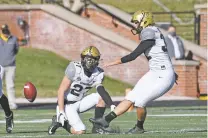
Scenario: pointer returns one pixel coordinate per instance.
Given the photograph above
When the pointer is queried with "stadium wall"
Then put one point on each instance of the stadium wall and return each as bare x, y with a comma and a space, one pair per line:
201, 10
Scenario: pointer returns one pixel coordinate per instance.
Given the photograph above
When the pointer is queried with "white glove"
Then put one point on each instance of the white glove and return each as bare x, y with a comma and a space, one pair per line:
62, 118
112, 107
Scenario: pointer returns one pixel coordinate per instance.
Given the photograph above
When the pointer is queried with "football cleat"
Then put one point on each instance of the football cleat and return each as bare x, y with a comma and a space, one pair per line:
67, 127
95, 129
99, 121
135, 130
54, 126
101, 130
9, 123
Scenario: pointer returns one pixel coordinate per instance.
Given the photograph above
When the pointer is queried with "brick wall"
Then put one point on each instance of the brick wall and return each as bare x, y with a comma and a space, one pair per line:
202, 75
103, 19
203, 26
10, 18
50, 33
187, 81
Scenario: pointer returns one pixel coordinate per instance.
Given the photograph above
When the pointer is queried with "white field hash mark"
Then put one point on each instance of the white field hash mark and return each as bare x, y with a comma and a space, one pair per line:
162, 115
37, 136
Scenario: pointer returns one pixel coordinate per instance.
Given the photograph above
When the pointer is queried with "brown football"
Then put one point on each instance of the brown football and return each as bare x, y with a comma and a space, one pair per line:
30, 91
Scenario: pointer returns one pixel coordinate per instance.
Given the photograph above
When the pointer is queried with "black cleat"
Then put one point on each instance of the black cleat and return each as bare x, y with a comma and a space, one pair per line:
102, 130
67, 126
95, 129
99, 121
135, 130
9, 123
54, 126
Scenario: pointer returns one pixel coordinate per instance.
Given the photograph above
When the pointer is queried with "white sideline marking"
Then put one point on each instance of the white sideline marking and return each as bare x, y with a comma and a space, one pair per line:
178, 115
31, 121
37, 136
162, 115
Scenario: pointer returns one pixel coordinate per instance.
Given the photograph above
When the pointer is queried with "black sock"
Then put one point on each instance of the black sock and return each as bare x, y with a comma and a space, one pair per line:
140, 124
5, 105
67, 127
110, 117
99, 112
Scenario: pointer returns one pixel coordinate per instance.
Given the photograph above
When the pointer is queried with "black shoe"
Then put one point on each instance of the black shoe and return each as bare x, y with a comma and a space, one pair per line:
54, 126
9, 123
101, 130
135, 130
99, 121
96, 129
67, 126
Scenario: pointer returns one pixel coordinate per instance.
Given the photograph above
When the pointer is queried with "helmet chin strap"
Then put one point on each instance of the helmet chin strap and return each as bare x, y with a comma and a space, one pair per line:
87, 73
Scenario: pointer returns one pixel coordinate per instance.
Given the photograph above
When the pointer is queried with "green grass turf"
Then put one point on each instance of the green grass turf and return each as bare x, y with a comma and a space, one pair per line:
46, 70
155, 126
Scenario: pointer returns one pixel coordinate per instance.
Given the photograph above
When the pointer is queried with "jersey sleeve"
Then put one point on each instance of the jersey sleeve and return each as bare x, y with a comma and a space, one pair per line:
99, 78
70, 71
147, 33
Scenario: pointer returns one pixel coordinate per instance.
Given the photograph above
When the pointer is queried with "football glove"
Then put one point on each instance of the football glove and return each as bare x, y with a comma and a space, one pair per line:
112, 107
62, 118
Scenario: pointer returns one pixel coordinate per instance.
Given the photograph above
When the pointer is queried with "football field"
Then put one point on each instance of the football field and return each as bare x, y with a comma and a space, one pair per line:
161, 122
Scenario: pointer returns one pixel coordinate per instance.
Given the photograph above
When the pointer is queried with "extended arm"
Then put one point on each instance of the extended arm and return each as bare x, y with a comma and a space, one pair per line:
147, 41
105, 95
65, 84
144, 45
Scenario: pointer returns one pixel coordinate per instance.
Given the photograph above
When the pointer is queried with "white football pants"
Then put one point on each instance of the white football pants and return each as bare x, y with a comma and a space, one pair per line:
9, 73
73, 110
152, 85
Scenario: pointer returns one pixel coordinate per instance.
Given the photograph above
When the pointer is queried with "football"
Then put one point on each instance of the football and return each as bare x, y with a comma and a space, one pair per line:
30, 91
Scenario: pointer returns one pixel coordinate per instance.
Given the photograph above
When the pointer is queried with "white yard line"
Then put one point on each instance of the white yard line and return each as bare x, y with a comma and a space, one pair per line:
162, 115
37, 136
178, 115
30, 121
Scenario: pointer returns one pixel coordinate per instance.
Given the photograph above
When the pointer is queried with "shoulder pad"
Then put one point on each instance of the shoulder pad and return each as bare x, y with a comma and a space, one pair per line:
147, 33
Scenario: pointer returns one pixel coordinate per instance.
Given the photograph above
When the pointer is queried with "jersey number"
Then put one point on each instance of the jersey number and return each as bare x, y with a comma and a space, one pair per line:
77, 89
164, 48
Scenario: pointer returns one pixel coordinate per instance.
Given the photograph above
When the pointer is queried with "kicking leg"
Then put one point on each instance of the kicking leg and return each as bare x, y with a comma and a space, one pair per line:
119, 110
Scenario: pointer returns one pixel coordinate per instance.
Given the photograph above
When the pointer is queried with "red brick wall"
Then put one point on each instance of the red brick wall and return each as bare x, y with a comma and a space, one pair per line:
203, 27
10, 18
202, 75
105, 20
187, 81
51, 33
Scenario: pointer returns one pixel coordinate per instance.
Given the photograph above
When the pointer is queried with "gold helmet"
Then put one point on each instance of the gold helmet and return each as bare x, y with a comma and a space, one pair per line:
90, 58
142, 19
